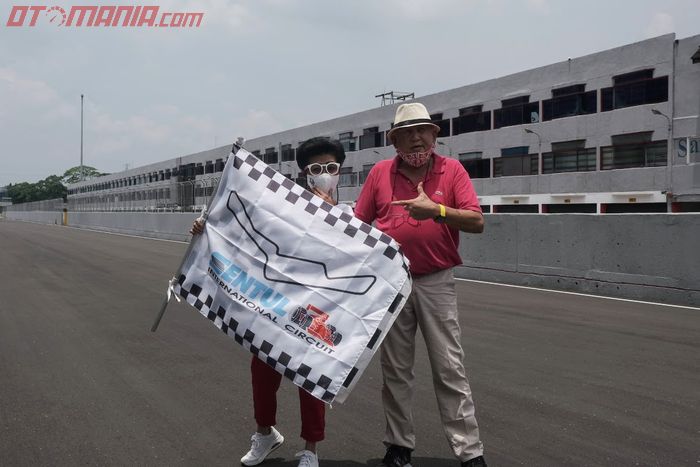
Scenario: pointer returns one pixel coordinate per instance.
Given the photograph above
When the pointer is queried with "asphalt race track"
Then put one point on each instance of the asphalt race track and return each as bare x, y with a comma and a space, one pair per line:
558, 379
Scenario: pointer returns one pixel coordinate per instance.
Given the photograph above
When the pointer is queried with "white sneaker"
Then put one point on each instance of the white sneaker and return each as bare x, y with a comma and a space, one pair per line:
307, 459
261, 446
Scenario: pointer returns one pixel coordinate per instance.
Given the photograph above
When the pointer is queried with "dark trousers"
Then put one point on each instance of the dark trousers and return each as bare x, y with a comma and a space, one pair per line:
266, 382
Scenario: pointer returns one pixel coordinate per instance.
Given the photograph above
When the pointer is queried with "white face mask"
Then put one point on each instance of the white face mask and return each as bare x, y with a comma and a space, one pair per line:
323, 182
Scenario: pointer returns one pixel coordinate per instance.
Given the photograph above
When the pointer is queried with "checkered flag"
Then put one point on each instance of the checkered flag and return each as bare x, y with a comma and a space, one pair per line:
301, 284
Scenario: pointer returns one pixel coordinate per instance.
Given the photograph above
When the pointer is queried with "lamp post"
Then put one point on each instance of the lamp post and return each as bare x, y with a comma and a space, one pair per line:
539, 149
658, 112
669, 157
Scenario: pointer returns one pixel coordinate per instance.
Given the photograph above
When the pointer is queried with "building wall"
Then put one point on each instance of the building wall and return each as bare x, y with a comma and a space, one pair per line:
686, 122
667, 56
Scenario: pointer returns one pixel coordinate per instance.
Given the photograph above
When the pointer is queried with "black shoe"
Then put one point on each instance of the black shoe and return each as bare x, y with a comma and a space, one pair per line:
396, 456
476, 462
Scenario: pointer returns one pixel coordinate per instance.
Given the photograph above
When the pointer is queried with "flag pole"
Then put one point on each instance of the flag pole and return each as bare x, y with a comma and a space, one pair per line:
173, 281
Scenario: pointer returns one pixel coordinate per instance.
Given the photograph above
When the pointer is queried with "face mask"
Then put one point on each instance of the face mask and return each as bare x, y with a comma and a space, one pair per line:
415, 159
323, 182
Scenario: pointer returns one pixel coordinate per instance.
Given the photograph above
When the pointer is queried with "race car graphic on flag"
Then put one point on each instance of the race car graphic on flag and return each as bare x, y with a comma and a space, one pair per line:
301, 284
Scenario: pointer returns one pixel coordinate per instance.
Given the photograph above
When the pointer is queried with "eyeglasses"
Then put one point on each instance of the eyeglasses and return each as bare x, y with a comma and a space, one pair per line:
331, 168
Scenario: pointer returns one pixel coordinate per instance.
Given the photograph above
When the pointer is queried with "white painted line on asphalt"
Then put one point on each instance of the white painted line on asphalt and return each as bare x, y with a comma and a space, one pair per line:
579, 293
125, 235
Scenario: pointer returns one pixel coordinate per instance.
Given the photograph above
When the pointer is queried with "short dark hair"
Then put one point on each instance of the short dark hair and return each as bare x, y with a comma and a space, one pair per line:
317, 146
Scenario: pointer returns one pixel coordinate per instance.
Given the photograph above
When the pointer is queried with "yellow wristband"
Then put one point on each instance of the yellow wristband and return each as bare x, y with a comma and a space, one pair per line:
442, 218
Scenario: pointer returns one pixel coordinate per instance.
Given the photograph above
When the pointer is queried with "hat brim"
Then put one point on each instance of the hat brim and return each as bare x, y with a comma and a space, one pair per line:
411, 123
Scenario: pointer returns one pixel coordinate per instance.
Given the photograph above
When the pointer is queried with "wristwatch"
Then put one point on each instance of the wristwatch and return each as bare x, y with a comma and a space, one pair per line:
442, 217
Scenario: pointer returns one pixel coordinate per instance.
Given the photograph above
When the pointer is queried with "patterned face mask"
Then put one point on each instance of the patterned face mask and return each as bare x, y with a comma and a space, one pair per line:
416, 159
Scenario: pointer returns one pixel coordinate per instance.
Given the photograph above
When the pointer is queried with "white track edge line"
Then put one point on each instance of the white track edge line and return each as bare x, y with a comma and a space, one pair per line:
580, 294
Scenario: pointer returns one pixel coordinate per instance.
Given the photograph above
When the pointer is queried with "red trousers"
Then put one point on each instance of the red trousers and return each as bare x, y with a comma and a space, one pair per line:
266, 382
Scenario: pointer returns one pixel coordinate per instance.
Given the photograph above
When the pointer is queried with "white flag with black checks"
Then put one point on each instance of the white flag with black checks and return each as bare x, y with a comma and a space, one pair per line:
306, 287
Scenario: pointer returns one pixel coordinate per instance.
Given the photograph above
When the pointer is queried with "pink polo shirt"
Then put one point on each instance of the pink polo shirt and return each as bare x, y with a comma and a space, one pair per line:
428, 245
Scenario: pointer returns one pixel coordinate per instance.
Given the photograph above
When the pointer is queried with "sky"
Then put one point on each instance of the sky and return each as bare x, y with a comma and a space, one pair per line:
261, 66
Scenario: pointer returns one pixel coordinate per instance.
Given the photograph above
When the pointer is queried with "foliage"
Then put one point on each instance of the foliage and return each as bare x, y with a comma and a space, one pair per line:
52, 187
72, 175
48, 188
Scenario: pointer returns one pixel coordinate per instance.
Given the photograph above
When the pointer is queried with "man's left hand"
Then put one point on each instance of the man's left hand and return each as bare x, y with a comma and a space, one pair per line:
420, 207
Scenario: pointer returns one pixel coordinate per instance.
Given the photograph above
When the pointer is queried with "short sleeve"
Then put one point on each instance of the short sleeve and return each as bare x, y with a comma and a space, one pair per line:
465, 195
365, 207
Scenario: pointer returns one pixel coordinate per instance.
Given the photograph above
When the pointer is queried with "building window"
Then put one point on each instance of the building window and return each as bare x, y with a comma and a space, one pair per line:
569, 156
633, 150
219, 165
569, 101
365, 172
347, 140
696, 56
287, 153
387, 139
474, 109
371, 138
516, 111
475, 165
443, 124
637, 88
516, 208
621, 208
270, 156
569, 208
471, 119
515, 161
347, 177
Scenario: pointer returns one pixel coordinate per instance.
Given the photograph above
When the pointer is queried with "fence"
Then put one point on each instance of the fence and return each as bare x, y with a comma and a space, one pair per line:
186, 196
47, 205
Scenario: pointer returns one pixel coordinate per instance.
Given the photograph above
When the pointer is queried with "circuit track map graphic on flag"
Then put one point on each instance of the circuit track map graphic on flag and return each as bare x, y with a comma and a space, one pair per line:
304, 286
247, 225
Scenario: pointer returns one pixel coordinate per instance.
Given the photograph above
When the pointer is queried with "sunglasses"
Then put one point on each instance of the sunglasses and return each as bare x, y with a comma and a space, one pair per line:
331, 168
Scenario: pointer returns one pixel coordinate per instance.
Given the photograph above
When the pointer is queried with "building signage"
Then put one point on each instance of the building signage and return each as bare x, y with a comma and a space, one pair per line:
688, 148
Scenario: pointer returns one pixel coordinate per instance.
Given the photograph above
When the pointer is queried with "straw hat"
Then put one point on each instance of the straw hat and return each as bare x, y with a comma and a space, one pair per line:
412, 114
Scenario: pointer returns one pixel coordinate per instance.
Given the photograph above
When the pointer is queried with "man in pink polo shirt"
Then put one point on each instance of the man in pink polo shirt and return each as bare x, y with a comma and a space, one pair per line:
424, 200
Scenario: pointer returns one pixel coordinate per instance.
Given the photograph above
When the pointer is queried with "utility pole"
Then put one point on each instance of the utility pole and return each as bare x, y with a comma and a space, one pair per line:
82, 176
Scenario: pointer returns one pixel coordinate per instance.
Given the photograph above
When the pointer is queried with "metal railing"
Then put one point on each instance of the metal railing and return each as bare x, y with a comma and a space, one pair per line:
46, 205
185, 196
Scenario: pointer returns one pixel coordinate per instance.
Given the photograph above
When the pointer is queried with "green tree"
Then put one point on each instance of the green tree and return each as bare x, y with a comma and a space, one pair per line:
51, 188
48, 188
20, 192
72, 175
